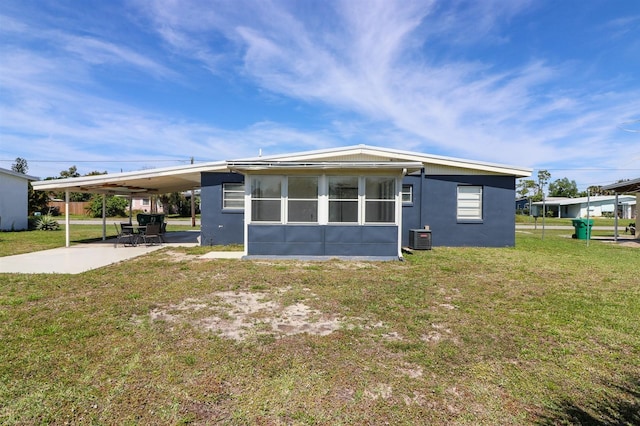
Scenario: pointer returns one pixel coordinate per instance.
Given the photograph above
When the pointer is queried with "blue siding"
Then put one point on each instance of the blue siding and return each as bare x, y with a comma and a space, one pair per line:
325, 240
435, 203
218, 226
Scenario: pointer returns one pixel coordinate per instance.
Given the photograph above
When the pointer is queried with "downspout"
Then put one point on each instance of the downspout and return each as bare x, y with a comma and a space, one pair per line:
66, 218
131, 208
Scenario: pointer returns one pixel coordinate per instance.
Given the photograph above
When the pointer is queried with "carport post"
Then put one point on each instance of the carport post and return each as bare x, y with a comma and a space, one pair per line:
104, 217
66, 218
615, 220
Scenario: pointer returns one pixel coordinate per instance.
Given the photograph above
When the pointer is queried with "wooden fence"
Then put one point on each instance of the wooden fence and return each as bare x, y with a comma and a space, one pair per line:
75, 207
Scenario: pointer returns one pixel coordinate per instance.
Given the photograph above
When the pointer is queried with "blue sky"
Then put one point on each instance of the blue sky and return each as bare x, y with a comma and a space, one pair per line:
130, 85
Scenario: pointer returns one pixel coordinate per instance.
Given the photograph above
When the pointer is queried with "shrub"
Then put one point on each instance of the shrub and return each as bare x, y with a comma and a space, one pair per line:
47, 223
115, 206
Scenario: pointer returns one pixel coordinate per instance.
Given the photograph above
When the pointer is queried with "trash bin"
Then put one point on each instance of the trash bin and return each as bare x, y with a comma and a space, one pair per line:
582, 228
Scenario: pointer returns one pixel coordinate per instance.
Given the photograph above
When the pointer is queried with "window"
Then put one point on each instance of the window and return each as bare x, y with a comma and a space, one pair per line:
469, 202
233, 195
145, 202
265, 198
343, 199
407, 194
302, 199
321, 199
380, 199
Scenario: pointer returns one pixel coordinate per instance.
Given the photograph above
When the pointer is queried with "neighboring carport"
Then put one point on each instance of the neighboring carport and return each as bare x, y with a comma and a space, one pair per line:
140, 183
625, 187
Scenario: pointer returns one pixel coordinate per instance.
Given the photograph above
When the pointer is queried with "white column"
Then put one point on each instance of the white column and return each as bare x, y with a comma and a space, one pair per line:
104, 217
66, 218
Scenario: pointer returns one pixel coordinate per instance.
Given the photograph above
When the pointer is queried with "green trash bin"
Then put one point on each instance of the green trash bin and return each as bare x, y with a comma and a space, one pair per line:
582, 228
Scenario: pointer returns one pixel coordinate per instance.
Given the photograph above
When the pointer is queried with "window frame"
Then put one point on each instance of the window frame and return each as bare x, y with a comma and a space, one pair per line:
469, 199
408, 202
225, 192
324, 199
289, 199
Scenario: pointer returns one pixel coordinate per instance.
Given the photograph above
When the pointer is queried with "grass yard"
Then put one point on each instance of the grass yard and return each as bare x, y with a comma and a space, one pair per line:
544, 333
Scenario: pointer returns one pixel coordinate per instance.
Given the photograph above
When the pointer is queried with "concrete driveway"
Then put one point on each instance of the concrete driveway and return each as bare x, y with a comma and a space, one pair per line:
83, 257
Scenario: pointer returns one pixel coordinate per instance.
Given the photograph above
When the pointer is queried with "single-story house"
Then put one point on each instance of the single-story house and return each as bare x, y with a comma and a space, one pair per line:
357, 201
14, 200
597, 206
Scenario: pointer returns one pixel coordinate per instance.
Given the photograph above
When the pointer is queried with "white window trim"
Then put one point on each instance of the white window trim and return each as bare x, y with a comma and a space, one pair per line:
323, 202
478, 217
224, 192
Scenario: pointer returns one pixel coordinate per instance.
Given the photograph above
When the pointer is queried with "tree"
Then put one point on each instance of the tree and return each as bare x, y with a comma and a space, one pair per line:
543, 178
20, 166
526, 188
597, 190
37, 200
115, 206
563, 188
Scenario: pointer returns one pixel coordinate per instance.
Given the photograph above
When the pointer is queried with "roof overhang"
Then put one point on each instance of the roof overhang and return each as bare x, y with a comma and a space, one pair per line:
280, 166
144, 182
626, 186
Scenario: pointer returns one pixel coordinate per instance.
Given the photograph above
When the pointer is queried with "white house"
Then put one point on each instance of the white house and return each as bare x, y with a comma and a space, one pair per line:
14, 200
597, 206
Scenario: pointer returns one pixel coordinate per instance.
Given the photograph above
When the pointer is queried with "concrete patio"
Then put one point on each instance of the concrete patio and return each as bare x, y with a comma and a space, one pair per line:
80, 258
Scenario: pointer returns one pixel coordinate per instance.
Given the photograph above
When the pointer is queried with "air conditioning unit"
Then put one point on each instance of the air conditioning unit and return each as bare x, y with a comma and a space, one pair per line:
420, 239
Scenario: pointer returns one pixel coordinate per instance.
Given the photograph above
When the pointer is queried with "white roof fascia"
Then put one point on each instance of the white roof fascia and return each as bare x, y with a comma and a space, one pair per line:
18, 175
396, 155
53, 184
323, 165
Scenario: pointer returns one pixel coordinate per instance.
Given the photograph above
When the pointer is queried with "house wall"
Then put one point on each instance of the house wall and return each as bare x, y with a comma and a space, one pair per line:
323, 240
435, 205
218, 226
14, 200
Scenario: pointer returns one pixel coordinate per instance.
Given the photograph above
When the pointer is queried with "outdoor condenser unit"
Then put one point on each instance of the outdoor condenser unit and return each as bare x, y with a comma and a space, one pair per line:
420, 239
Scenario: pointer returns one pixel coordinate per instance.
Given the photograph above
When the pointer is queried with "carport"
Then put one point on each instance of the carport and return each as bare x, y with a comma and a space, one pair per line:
625, 187
140, 183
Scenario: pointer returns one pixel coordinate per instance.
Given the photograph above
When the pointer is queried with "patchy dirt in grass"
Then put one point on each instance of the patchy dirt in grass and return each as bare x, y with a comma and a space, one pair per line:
238, 315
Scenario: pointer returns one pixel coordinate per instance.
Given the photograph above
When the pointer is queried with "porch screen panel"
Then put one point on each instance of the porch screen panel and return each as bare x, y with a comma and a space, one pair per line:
343, 199
266, 194
303, 199
380, 196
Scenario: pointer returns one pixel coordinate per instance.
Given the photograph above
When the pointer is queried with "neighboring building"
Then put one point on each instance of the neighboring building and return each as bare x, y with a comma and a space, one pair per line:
522, 204
147, 204
597, 206
14, 200
357, 201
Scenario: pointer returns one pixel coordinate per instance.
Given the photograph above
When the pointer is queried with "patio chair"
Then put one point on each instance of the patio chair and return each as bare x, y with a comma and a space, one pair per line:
151, 233
124, 235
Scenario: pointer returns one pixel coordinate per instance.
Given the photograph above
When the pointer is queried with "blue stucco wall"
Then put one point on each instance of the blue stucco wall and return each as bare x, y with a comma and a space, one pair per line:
325, 240
435, 205
218, 226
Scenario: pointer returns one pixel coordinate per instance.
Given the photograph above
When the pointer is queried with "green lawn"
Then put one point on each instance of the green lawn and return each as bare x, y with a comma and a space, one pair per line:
547, 332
